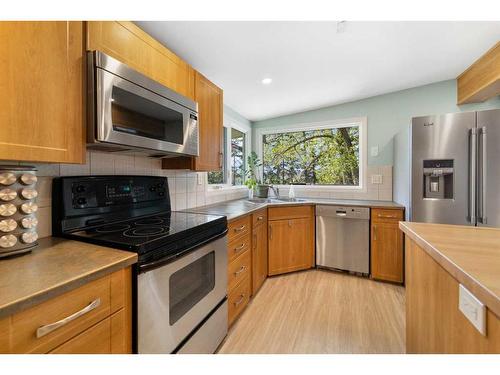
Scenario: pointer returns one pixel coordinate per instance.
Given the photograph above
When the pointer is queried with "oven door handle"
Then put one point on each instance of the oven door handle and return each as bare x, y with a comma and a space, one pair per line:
163, 261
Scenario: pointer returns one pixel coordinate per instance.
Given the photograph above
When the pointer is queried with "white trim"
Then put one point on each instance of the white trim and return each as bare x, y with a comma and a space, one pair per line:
232, 123
361, 122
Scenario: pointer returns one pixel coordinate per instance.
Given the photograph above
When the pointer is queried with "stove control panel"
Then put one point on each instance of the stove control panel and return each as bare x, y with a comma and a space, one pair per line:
95, 193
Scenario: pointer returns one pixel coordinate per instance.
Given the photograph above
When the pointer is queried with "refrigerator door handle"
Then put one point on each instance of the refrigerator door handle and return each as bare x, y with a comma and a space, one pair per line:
484, 170
473, 175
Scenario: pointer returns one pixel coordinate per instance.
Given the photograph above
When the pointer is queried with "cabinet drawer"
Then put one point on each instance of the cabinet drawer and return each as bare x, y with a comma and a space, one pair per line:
386, 214
290, 212
237, 247
259, 218
95, 340
75, 311
238, 299
238, 269
239, 227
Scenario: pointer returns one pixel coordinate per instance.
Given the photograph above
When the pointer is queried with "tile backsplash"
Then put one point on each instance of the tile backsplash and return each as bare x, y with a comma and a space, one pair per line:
187, 188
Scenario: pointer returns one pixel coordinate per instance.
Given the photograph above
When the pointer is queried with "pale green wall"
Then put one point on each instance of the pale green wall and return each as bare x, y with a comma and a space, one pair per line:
389, 117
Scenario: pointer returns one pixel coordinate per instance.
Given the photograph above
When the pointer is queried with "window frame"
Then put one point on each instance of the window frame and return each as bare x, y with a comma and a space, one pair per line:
361, 122
230, 123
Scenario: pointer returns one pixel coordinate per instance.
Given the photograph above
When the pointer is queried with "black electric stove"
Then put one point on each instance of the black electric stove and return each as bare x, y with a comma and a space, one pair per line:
130, 213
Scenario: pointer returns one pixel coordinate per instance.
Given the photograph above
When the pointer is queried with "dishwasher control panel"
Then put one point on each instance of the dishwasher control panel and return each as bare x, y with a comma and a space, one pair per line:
347, 212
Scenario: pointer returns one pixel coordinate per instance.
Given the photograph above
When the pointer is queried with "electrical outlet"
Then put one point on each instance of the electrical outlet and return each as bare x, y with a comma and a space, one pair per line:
374, 151
376, 179
200, 178
472, 308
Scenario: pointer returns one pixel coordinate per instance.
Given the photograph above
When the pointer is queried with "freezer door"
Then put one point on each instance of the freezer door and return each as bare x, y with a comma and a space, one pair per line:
443, 192
488, 123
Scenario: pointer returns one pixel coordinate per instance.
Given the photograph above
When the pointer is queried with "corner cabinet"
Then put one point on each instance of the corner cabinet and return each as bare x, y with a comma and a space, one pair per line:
42, 91
291, 239
387, 257
210, 117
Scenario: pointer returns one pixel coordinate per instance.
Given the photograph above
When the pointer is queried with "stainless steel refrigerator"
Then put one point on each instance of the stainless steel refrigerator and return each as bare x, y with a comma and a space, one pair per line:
455, 168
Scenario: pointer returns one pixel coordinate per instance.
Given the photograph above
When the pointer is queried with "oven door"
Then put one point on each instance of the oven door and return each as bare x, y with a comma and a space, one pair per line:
130, 115
173, 299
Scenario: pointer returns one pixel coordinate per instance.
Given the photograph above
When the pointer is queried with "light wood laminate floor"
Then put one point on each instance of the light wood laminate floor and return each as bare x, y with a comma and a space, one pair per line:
320, 311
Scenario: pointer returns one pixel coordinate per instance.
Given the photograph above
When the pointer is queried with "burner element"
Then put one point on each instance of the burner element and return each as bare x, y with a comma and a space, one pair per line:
150, 221
145, 231
112, 228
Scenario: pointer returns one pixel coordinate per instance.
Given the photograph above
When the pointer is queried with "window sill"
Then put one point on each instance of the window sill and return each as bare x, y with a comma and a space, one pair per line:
220, 189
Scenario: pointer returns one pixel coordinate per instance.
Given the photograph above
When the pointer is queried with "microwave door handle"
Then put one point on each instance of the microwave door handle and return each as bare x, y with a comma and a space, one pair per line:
473, 175
484, 175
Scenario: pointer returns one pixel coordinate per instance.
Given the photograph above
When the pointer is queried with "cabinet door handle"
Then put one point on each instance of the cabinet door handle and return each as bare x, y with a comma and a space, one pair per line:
374, 233
254, 241
242, 298
270, 232
237, 230
43, 330
242, 268
221, 160
387, 216
239, 248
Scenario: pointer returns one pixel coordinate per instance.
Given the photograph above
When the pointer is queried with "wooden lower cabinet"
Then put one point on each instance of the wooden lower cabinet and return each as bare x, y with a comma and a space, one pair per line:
247, 260
434, 323
259, 251
42, 91
290, 239
238, 299
104, 325
387, 254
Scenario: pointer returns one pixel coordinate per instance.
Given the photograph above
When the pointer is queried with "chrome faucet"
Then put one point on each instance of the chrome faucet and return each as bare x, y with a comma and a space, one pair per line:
275, 190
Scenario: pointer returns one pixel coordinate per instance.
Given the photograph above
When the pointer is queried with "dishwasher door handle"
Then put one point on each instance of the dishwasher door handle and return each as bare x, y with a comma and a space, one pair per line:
341, 213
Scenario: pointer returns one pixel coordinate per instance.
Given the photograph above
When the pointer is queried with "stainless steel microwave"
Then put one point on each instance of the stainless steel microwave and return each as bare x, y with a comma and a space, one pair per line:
128, 111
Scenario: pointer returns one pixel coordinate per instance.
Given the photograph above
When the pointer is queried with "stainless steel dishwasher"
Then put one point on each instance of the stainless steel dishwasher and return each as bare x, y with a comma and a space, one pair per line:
343, 238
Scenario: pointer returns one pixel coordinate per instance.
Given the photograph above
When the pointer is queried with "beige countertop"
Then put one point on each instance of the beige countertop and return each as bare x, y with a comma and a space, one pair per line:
55, 267
236, 208
470, 254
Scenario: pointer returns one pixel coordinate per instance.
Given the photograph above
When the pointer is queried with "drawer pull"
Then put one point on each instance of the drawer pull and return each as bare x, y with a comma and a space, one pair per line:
239, 248
260, 218
43, 330
237, 230
242, 298
387, 216
242, 268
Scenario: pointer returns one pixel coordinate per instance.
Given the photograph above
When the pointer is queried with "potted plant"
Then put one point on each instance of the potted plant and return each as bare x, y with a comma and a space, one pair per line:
253, 182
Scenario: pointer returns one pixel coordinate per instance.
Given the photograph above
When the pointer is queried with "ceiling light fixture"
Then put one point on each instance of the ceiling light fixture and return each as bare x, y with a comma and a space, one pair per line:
267, 81
340, 27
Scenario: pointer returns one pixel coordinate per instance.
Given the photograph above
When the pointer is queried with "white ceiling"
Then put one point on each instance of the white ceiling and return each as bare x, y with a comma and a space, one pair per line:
313, 66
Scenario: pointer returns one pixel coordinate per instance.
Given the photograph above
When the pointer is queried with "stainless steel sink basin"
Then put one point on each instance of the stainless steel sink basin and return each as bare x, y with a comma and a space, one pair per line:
274, 200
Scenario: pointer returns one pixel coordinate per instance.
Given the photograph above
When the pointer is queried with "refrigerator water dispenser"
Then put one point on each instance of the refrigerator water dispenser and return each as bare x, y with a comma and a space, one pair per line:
438, 179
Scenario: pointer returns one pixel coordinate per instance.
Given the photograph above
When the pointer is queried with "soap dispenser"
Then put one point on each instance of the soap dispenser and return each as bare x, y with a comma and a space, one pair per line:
291, 192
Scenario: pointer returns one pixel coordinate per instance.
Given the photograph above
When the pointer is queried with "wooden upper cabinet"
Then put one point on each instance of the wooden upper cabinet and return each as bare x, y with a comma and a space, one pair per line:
387, 258
210, 117
41, 91
210, 113
481, 80
129, 44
